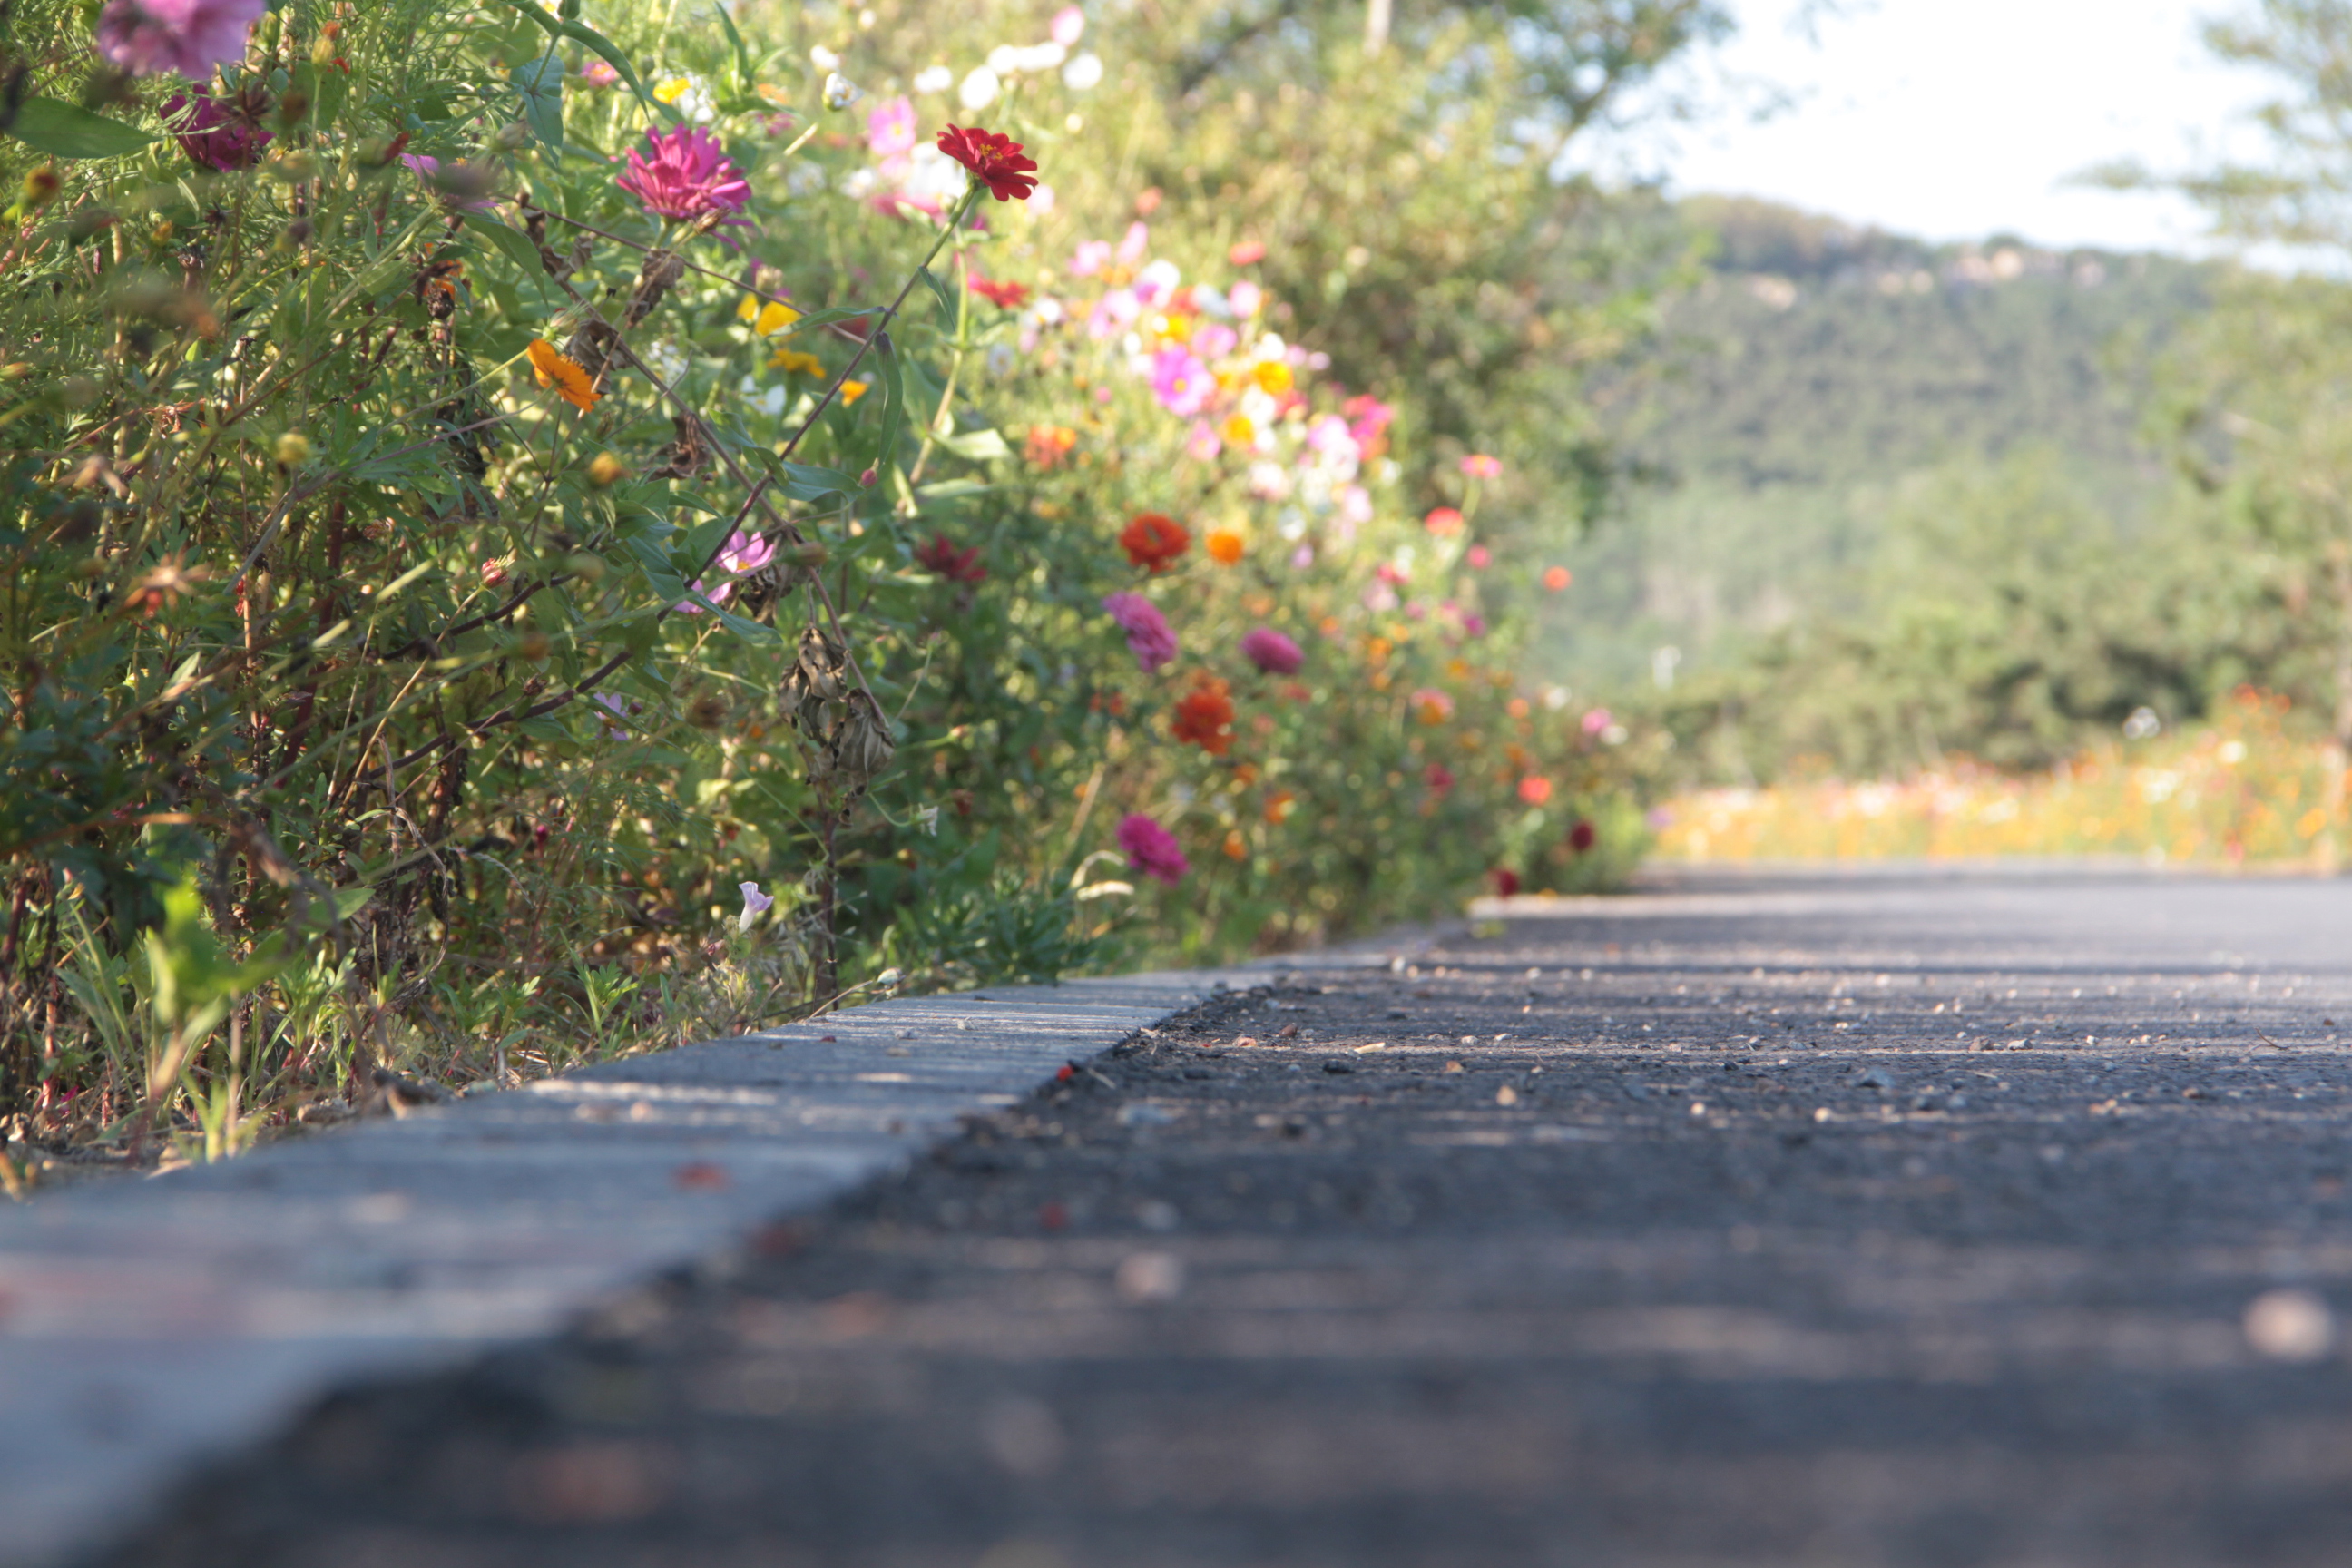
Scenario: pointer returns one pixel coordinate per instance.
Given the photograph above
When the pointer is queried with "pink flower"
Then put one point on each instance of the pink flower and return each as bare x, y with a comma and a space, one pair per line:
1244, 298
1070, 25
1474, 624
1368, 419
1133, 244
149, 38
1597, 720
1203, 443
1113, 314
1393, 575
1181, 383
1147, 634
1479, 557
1092, 258
596, 73
890, 129
212, 135
1330, 436
1215, 341
1303, 557
686, 175
745, 552
1272, 652
1152, 850
1479, 466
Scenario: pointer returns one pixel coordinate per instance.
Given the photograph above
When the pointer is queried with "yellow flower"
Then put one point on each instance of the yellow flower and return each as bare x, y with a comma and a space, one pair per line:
568, 379
767, 319
851, 391
1274, 376
793, 359
673, 90
1238, 431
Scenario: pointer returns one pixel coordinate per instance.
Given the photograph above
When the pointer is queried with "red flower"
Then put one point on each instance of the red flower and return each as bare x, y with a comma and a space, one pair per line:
1439, 777
1204, 716
955, 565
1506, 881
1154, 541
1011, 295
994, 159
1580, 837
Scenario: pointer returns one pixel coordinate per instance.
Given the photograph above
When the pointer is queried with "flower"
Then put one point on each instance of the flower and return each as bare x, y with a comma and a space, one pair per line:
461, 185
149, 38
1442, 522
956, 565
840, 92
1558, 578
1147, 634
1479, 557
997, 292
1273, 376
755, 904
1246, 252
994, 159
1203, 443
794, 359
1224, 547
1049, 444
1506, 881
1239, 430
597, 73
1438, 777
890, 129
211, 134
1091, 256
1534, 789
1597, 720
1154, 542
572, 383
1479, 466
851, 391
1084, 73
1204, 716
1246, 298
1581, 835
1368, 421
745, 552
685, 174
1152, 849
1181, 383
1070, 25
1432, 706
1272, 652
978, 89
766, 318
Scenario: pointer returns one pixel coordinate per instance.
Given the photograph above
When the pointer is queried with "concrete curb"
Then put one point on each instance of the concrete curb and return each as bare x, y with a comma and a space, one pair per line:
146, 1326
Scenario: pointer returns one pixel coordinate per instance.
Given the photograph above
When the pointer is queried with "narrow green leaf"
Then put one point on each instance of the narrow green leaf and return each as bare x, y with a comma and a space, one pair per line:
940, 292
513, 242
735, 42
894, 401
68, 131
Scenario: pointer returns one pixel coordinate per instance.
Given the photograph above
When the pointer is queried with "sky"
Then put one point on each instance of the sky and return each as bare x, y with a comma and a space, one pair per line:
1954, 120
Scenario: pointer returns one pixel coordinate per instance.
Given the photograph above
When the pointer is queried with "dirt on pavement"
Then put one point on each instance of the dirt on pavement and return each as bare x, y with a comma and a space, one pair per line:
1899, 1220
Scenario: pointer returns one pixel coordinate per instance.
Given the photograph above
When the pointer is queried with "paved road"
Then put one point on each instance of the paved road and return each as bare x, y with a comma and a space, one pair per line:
1902, 1219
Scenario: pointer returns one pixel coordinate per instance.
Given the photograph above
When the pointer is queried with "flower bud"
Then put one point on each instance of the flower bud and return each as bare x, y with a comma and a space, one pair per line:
42, 184
323, 48
865, 480
605, 469
293, 449
511, 136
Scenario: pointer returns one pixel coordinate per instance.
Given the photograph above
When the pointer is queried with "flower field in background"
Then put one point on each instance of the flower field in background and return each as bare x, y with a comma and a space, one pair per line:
2254, 788
543, 533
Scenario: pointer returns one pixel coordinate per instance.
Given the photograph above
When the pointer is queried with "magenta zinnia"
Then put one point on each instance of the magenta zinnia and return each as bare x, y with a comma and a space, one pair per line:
1147, 634
212, 135
149, 38
1272, 652
1152, 850
686, 175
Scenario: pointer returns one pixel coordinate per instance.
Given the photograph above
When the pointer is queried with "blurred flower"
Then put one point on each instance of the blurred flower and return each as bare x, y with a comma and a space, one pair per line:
998, 293
1147, 634
1214, 341
1154, 542
1272, 376
212, 135
1224, 547
686, 175
1580, 837
1432, 706
851, 391
1181, 383
1134, 244
149, 38
1238, 430
1203, 444
1558, 578
1479, 466
1245, 298
1442, 522
597, 73
1303, 557
767, 318
1272, 652
1070, 25
994, 159
1534, 789
934, 79
1474, 624
1049, 444
955, 565
1438, 776
1246, 252
1092, 256
1598, 720
1204, 716
891, 129
571, 382
462, 185
840, 92
1368, 419
795, 359
1084, 73
1152, 849
1479, 557
1277, 807
755, 904
1507, 882
1236, 848
979, 88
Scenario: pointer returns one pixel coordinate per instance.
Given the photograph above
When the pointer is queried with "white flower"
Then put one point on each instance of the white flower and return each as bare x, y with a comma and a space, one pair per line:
1040, 201
840, 92
770, 401
1000, 359
1039, 58
1083, 74
978, 90
928, 819
1004, 60
934, 79
825, 60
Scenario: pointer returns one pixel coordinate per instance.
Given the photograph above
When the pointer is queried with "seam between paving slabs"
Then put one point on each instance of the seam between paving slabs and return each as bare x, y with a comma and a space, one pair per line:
147, 1326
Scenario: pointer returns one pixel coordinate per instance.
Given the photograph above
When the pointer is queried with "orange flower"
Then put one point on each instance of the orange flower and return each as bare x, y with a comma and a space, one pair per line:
1225, 547
1236, 848
1246, 774
851, 391
1558, 578
1154, 541
1535, 790
1432, 706
1277, 807
572, 383
1049, 444
1204, 716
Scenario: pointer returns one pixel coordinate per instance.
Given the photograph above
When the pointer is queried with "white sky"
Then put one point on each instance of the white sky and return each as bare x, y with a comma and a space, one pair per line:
1957, 119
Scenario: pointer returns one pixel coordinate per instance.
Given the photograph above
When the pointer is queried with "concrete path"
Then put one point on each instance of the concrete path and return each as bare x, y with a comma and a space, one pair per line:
1899, 1218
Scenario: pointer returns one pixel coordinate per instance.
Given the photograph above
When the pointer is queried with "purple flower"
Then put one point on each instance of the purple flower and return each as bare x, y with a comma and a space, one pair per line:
1272, 652
745, 552
1147, 634
1152, 850
684, 174
891, 129
597, 73
149, 38
210, 134
1181, 383
755, 904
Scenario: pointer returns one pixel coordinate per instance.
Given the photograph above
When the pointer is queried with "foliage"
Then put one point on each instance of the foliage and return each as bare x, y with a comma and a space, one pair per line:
469, 611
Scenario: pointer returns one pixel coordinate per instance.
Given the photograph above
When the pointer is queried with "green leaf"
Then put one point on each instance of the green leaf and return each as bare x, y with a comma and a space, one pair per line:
940, 292
735, 42
516, 244
894, 401
805, 482
541, 82
68, 131
979, 446
825, 317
